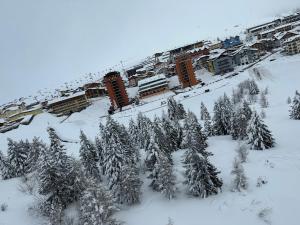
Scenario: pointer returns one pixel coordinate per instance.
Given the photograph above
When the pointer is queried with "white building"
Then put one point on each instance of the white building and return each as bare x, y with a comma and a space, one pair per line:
153, 85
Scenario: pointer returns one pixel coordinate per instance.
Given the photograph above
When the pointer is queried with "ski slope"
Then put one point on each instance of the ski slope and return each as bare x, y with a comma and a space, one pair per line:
280, 166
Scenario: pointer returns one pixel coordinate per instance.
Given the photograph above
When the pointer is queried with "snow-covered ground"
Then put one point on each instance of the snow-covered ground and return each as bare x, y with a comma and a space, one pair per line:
280, 166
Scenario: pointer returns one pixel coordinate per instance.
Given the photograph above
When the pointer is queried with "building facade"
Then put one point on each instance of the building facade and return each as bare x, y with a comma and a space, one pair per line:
244, 56
185, 71
116, 89
292, 45
68, 105
222, 64
153, 85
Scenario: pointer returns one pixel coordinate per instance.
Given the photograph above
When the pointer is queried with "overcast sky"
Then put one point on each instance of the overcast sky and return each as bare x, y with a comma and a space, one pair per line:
44, 43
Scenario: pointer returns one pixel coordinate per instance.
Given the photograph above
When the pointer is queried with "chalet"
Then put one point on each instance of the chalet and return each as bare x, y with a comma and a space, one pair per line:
292, 45
219, 62
94, 90
153, 85
68, 105
265, 45
244, 55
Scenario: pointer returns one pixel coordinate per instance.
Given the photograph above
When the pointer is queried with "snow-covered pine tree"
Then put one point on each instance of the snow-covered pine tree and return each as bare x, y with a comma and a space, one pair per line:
35, 149
235, 129
175, 110
172, 108
194, 137
208, 129
78, 180
266, 91
259, 136
130, 191
253, 88
134, 133
53, 174
295, 108
5, 170
242, 151
239, 122
143, 124
289, 100
201, 175
97, 206
171, 132
89, 157
152, 153
263, 100
118, 154
222, 116
239, 182
17, 158
204, 114
263, 114
160, 138
246, 110
181, 113
166, 179
100, 153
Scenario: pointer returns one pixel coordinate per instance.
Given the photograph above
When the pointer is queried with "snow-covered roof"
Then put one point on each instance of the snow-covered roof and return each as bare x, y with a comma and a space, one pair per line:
216, 53
66, 98
291, 39
151, 79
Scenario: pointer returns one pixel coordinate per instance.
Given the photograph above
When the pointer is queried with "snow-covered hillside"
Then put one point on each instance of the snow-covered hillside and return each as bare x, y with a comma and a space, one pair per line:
280, 166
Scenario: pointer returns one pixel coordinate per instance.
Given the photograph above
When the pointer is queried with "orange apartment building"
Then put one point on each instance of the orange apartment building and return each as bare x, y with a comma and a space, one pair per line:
185, 71
116, 89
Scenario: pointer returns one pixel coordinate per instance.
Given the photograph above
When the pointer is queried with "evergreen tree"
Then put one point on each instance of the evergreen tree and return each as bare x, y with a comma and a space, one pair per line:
5, 170
96, 206
201, 175
259, 136
295, 108
53, 173
240, 180
193, 136
208, 129
77, 180
34, 153
143, 124
100, 153
17, 155
253, 88
204, 114
165, 179
175, 110
222, 116
89, 157
130, 192
289, 100
171, 130
242, 152
239, 122
263, 100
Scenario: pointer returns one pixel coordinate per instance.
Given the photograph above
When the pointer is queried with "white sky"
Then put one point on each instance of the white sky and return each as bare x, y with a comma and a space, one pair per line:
44, 43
